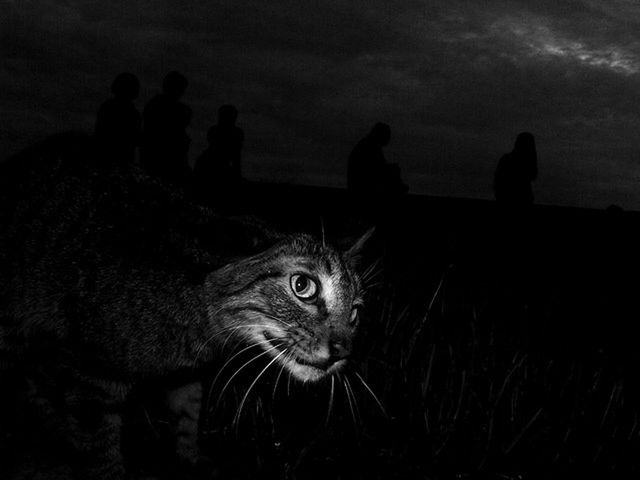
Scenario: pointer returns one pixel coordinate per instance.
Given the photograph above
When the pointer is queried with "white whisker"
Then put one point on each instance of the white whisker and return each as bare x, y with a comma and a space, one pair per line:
240, 369
346, 391
288, 383
215, 379
284, 365
355, 400
237, 327
279, 320
375, 397
236, 419
330, 407
371, 271
217, 333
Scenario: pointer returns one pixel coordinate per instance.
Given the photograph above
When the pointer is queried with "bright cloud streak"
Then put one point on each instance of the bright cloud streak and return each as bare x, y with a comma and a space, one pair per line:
614, 58
541, 39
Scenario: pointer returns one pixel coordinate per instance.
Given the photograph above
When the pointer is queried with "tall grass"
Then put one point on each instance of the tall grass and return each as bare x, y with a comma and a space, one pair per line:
463, 396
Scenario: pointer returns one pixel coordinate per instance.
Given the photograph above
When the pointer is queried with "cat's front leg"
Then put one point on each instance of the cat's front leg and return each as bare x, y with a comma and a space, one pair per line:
185, 403
96, 432
103, 457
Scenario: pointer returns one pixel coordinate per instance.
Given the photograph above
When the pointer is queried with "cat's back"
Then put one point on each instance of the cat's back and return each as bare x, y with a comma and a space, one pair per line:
78, 237
57, 196
49, 209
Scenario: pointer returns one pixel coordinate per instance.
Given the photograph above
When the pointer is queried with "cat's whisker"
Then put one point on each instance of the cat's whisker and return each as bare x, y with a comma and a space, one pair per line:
150, 423
289, 383
375, 397
330, 407
236, 419
371, 267
373, 285
372, 270
202, 347
215, 379
372, 280
217, 334
264, 315
247, 363
222, 347
282, 368
230, 359
348, 395
237, 327
355, 400
229, 337
371, 275
245, 326
276, 319
259, 314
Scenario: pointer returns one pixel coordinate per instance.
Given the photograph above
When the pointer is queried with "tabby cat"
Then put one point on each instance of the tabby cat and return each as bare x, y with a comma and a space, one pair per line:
108, 279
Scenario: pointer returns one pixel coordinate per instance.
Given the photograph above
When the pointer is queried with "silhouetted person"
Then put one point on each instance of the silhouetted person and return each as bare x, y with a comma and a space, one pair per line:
118, 123
375, 185
516, 252
218, 169
368, 172
515, 172
165, 143
365, 173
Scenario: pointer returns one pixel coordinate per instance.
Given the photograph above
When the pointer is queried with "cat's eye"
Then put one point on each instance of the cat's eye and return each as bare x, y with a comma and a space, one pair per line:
354, 316
303, 286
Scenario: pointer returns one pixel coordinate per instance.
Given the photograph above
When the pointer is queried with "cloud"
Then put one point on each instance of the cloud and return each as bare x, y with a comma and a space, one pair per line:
457, 80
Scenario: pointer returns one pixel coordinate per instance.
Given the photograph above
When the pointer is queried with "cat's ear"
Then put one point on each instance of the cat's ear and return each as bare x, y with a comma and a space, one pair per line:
354, 253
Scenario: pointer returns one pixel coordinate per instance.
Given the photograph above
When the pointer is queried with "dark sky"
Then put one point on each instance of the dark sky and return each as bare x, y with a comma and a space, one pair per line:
456, 80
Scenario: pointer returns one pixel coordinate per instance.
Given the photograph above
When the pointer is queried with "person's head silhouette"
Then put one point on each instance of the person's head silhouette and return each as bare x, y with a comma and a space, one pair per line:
126, 86
525, 145
227, 115
381, 134
174, 85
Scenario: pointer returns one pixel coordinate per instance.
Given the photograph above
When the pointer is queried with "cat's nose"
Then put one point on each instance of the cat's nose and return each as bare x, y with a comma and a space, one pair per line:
321, 357
330, 353
339, 350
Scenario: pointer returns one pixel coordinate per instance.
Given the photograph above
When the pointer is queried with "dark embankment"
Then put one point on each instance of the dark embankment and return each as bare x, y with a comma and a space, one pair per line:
500, 344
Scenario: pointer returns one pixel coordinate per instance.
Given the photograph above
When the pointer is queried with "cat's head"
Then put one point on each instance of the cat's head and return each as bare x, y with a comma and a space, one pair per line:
300, 301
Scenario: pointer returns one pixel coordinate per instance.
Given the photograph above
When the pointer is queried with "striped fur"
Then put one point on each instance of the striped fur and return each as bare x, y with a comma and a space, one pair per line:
108, 280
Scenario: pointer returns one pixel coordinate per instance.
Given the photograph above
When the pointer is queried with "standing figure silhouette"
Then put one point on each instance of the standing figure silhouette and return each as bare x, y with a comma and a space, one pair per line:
118, 122
368, 172
367, 165
218, 170
375, 184
515, 172
165, 144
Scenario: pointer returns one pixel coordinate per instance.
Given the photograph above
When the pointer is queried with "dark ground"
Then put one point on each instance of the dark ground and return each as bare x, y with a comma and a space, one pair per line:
499, 345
